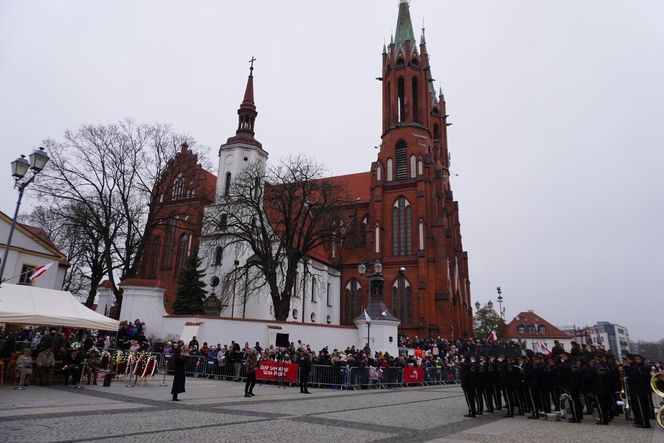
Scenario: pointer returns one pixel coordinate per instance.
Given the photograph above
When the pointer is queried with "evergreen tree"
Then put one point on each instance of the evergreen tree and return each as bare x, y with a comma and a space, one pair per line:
190, 295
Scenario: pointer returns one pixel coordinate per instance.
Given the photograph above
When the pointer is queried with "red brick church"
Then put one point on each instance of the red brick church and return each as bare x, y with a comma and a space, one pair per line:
402, 207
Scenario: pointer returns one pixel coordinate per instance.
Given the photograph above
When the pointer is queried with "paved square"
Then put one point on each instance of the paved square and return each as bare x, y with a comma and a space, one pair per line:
218, 411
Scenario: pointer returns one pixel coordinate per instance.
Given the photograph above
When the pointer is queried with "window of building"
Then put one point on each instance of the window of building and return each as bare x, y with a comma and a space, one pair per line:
531, 329
402, 160
329, 294
218, 255
296, 292
223, 221
402, 243
522, 329
416, 99
401, 103
421, 234
26, 272
329, 319
389, 170
413, 166
542, 330
295, 314
154, 257
377, 238
402, 300
169, 246
420, 167
352, 303
313, 289
379, 173
183, 253
313, 317
177, 189
227, 184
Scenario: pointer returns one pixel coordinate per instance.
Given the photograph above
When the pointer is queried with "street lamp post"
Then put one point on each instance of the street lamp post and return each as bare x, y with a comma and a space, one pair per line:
20, 167
375, 294
500, 303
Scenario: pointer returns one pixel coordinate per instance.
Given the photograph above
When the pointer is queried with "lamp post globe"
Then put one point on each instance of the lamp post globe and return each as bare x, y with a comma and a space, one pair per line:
38, 159
477, 305
490, 304
20, 167
362, 268
378, 267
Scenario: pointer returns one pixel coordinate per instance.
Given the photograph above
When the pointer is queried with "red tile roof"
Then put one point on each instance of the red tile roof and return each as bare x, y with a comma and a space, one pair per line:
358, 185
530, 318
42, 236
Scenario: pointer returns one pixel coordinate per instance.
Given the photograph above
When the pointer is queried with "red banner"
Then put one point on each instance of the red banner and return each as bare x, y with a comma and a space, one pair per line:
413, 375
275, 371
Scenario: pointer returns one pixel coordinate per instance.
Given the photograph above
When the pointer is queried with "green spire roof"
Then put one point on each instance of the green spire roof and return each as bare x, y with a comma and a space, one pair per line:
404, 25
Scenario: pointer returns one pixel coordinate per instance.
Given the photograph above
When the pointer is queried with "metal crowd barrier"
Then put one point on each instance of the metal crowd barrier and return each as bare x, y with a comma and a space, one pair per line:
337, 377
392, 377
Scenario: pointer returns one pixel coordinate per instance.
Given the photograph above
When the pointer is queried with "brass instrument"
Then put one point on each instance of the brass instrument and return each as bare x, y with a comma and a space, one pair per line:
657, 385
624, 394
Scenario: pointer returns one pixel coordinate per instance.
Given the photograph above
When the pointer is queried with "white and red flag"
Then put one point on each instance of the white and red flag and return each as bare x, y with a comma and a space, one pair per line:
366, 317
40, 270
492, 336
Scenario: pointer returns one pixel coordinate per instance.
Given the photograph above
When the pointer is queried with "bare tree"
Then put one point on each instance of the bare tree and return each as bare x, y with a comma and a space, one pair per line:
110, 173
69, 227
277, 216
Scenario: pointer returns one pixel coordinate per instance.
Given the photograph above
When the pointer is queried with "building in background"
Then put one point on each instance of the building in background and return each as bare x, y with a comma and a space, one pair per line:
30, 249
537, 334
603, 335
401, 210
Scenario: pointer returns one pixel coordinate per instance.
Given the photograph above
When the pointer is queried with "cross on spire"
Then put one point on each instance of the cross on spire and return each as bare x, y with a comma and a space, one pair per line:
253, 59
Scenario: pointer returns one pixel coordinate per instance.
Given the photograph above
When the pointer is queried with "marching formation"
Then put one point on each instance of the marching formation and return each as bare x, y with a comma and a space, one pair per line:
579, 383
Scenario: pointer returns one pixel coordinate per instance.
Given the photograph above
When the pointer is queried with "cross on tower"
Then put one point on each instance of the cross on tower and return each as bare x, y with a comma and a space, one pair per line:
253, 59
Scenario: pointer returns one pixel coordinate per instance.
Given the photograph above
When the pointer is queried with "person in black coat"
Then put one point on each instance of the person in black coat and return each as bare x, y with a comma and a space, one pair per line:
304, 363
179, 361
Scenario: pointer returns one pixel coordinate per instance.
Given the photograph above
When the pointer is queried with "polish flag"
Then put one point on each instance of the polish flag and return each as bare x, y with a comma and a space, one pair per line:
383, 314
366, 317
40, 270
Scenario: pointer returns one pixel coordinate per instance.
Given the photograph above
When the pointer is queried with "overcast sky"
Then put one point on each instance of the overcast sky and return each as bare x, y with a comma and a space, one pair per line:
557, 111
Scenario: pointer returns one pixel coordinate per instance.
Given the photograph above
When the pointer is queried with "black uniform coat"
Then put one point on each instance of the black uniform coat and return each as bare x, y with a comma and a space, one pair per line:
178, 374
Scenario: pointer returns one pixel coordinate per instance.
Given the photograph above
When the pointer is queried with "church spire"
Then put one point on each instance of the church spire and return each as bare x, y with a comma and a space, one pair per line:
404, 25
247, 113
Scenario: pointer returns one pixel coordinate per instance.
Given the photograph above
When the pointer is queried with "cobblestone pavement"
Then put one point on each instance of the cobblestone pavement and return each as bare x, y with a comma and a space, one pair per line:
218, 411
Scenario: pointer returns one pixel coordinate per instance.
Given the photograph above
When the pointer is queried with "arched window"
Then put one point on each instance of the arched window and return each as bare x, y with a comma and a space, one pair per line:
420, 167
401, 104
415, 105
389, 170
363, 232
169, 246
436, 132
227, 184
218, 255
379, 173
154, 258
177, 190
313, 289
402, 300
352, 304
413, 166
402, 160
295, 283
402, 234
421, 235
377, 238
183, 253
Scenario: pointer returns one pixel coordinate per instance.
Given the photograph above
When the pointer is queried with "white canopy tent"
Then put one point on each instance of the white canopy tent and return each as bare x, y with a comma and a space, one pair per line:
30, 305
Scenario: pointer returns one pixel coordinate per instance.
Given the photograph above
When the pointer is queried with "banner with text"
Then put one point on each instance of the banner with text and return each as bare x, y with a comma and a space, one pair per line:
275, 371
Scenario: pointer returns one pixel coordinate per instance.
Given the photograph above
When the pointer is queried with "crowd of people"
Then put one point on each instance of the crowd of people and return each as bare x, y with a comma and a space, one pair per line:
584, 381
493, 375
